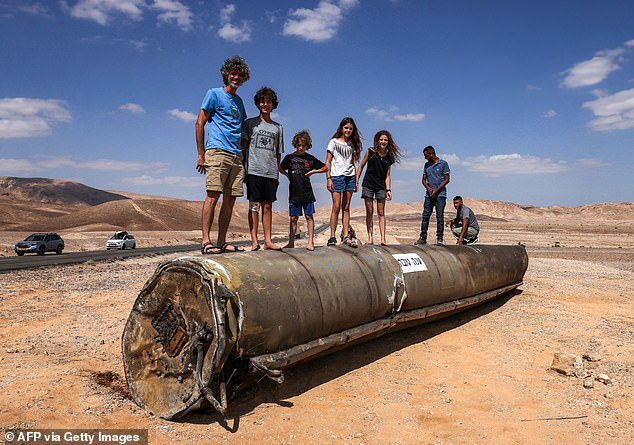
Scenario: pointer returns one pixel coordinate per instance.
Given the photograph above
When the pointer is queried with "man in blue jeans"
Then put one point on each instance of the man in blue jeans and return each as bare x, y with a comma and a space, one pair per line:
435, 179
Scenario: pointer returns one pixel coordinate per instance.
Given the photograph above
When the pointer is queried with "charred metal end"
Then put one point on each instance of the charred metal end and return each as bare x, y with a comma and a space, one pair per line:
249, 315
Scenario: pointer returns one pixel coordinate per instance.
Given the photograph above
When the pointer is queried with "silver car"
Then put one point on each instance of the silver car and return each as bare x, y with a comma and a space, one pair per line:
121, 240
40, 243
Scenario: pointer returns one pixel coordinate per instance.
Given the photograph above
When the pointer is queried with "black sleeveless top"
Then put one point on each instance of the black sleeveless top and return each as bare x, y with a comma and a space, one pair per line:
376, 172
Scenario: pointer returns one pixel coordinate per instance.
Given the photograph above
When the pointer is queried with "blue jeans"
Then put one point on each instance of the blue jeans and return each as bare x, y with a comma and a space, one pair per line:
439, 204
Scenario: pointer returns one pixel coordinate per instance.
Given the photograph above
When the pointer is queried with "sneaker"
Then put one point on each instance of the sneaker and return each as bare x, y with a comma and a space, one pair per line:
348, 241
332, 241
439, 241
420, 241
475, 240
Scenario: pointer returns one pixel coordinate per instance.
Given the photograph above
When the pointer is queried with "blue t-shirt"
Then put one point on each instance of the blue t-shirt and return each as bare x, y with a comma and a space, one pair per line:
224, 126
436, 175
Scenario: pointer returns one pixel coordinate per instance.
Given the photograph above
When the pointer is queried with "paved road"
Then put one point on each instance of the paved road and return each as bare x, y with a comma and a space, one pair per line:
51, 259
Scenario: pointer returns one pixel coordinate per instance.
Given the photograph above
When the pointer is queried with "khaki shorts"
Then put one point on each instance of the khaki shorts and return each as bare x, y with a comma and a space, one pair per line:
224, 172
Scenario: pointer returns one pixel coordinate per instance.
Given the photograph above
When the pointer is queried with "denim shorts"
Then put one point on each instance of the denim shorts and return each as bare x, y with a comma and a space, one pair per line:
295, 209
342, 183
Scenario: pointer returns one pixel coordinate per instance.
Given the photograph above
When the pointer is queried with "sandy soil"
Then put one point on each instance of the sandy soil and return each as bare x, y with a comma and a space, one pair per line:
482, 376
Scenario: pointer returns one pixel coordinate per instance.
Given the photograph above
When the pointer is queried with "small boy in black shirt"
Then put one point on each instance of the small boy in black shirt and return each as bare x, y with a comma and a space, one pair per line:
299, 167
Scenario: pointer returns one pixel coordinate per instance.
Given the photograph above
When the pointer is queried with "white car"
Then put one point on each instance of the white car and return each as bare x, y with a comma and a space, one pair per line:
121, 240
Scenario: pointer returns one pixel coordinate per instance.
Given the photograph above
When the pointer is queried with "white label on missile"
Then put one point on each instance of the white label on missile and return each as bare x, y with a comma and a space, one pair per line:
410, 262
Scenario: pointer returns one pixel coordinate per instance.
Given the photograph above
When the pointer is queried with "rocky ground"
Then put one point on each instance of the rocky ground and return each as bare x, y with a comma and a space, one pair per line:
483, 376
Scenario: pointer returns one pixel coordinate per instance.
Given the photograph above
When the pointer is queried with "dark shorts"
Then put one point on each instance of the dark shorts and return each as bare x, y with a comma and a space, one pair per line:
261, 189
342, 183
373, 194
296, 209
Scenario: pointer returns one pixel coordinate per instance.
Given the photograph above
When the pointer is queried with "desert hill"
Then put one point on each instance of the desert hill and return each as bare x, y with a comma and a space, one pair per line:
41, 204
53, 191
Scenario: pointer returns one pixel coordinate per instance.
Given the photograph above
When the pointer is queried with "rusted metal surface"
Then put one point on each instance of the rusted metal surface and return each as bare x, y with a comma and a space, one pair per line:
202, 328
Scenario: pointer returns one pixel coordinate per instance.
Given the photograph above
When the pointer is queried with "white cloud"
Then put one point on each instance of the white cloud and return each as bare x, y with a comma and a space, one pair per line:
502, 164
319, 24
230, 32
37, 9
614, 112
410, 117
11, 166
590, 163
416, 161
174, 11
175, 181
21, 117
227, 12
629, 43
185, 116
593, 71
103, 164
133, 108
391, 115
513, 164
550, 113
103, 11
598, 92
379, 113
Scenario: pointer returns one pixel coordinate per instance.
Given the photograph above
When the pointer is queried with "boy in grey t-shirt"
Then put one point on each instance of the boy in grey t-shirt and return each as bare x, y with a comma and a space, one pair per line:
263, 142
464, 226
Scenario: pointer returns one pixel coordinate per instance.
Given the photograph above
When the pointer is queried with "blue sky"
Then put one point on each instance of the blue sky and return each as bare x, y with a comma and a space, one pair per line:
529, 101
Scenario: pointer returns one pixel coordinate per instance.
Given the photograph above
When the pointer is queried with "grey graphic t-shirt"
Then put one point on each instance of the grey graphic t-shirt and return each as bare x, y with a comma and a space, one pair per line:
266, 140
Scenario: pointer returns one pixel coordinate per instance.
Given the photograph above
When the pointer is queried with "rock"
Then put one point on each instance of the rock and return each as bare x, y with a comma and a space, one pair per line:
588, 382
567, 364
603, 378
591, 357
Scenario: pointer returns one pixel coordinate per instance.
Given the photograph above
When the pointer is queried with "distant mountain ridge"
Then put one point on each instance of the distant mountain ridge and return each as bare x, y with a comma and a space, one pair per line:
41, 204
53, 191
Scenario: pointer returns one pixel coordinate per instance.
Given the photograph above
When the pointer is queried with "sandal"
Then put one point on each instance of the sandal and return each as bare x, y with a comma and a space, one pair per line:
228, 248
209, 249
351, 242
332, 241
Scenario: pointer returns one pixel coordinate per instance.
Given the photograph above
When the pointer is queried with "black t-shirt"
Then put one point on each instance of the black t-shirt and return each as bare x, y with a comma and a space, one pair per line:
300, 189
376, 172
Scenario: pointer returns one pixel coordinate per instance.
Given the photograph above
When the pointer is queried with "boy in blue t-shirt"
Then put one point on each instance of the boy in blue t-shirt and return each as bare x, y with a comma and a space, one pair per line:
435, 179
298, 167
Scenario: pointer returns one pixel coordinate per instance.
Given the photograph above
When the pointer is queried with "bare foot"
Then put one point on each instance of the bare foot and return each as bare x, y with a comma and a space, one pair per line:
289, 246
271, 247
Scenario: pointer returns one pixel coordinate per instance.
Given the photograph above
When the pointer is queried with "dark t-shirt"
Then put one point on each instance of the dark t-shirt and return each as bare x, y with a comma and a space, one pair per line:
300, 189
376, 173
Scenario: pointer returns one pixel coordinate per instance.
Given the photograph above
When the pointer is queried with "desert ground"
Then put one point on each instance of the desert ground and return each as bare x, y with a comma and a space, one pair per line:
482, 376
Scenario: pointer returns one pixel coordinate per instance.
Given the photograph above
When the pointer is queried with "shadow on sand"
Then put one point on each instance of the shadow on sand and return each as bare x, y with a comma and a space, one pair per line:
308, 375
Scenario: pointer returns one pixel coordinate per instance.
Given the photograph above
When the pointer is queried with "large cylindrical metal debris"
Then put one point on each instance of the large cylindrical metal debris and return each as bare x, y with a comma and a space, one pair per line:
202, 328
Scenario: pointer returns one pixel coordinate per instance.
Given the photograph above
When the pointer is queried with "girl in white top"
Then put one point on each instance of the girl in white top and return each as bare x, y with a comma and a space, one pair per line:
344, 150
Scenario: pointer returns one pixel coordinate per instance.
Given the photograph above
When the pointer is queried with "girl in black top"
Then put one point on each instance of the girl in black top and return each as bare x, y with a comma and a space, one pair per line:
376, 182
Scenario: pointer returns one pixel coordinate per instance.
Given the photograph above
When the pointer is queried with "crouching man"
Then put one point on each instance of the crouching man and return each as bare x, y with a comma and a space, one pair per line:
464, 226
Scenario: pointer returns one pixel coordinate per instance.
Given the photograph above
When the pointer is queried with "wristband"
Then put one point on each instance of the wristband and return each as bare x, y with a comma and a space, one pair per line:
328, 177
388, 190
